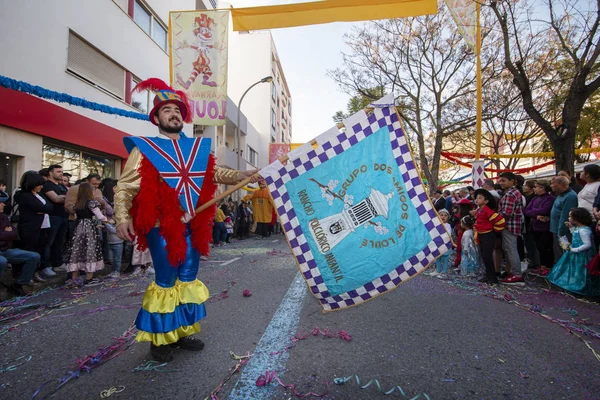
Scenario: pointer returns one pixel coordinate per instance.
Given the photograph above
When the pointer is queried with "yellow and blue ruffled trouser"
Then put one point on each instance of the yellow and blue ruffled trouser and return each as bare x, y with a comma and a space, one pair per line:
174, 303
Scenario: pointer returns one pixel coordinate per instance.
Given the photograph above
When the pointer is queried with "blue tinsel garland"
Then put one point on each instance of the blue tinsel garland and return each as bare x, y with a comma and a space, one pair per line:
39, 91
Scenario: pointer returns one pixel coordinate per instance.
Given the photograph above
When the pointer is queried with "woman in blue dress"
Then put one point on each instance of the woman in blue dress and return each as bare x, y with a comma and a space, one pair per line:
569, 272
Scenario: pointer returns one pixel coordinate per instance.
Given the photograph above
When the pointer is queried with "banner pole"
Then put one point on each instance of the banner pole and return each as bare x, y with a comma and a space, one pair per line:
479, 89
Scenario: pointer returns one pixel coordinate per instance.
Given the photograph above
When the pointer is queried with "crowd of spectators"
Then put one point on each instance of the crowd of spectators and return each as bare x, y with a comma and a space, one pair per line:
38, 229
534, 225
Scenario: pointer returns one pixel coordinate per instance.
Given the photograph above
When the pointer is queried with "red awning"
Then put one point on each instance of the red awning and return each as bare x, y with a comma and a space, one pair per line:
31, 114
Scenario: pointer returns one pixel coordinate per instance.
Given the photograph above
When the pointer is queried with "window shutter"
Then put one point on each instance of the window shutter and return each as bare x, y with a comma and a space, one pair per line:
89, 63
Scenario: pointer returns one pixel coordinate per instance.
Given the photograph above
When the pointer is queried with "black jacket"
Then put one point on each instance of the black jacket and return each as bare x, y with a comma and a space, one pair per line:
31, 211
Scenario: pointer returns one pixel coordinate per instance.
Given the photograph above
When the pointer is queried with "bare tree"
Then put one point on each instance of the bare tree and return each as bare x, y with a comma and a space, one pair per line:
563, 48
431, 71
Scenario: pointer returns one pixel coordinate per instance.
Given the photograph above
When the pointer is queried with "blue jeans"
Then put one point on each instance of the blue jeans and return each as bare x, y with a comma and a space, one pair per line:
57, 234
29, 259
219, 232
115, 255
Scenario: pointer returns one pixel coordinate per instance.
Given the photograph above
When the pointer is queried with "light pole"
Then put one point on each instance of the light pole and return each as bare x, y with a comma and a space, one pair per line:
239, 113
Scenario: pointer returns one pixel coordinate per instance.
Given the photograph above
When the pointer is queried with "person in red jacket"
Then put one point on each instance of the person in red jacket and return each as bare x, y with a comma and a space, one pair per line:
488, 223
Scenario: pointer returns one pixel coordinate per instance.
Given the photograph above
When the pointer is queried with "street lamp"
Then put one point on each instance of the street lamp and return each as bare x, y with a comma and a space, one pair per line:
239, 112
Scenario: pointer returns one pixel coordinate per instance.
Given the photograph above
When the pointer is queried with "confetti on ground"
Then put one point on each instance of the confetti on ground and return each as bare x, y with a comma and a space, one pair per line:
107, 393
89, 362
246, 293
271, 376
241, 360
343, 335
153, 366
341, 381
25, 359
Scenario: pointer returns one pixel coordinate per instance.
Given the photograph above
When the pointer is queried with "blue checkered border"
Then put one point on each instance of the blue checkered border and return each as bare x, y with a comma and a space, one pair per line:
440, 239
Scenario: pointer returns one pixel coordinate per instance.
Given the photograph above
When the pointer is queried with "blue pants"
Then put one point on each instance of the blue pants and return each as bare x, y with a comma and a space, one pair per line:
174, 303
29, 259
219, 232
115, 255
442, 263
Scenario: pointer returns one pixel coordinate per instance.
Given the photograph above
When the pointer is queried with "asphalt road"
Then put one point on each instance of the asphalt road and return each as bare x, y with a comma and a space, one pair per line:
445, 339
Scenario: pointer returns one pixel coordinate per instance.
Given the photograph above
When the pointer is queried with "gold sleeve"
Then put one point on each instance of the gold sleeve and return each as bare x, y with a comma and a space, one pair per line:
128, 187
226, 176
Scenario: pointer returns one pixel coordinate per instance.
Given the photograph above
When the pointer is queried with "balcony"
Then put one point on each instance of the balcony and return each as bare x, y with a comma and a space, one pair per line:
228, 158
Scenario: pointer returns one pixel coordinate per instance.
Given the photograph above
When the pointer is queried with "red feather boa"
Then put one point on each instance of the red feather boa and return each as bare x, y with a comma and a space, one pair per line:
155, 202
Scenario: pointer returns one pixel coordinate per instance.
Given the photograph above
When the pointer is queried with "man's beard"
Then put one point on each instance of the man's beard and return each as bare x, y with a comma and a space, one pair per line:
169, 129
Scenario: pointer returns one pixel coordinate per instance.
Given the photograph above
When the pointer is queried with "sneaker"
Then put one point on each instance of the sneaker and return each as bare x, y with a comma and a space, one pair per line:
203, 258
62, 269
190, 343
48, 272
442, 276
501, 275
487, 280
137, 271
513, 280
150, 271
161, 354
38, 278
92, 282
435, 273
114, 275
34, 283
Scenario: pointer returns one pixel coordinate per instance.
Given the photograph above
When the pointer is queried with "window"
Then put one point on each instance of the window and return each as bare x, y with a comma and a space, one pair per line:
142, 17
252, 156
150, 24
78, 163
159, 34
140, 100
289, 108
94, 67
273, 91
273, 118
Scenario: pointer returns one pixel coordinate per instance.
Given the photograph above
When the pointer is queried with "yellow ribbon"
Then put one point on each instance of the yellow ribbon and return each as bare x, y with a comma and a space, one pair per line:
107, 393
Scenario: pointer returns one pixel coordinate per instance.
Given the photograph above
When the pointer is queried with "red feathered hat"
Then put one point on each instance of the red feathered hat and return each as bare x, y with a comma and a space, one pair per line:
165, 94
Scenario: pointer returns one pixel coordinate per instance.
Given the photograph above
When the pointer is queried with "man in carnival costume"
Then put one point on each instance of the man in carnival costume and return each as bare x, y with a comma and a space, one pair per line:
160, 175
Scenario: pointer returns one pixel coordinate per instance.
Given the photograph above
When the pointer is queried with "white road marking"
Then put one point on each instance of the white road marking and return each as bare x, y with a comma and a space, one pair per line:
275, 338
230, 261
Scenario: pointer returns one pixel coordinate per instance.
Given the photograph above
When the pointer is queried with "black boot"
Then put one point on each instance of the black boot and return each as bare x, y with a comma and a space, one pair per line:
161, 353
190, 343
18, 289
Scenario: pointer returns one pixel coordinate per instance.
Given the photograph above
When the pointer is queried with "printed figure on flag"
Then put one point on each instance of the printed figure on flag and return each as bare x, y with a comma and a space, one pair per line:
355, 211
198, 60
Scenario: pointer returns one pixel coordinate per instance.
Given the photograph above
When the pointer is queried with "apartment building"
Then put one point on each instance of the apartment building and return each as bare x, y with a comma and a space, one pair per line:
268, 106
98, 50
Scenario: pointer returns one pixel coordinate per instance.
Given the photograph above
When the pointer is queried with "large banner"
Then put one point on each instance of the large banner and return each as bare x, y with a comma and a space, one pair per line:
198, 62
355, 210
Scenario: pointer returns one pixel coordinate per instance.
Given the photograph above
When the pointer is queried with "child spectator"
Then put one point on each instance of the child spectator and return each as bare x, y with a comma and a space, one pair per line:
441, 270
570, 271
488, 223
84, 251
115, 248
470, 261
